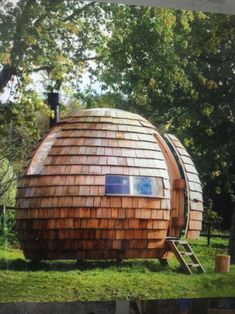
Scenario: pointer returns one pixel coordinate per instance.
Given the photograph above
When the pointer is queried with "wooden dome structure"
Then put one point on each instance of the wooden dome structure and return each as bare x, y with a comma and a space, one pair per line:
105, 184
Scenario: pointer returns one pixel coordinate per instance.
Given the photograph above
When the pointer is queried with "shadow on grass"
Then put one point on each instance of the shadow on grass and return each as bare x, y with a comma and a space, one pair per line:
125, 265
83, 265
219, 245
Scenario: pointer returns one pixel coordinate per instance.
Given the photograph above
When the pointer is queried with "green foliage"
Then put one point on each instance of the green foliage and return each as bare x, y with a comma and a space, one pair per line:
71, 107
52, 41
105, 280
176, 68
143, 58
108, 100
55, 39
8, 237
22, 124
7, 183
211, 216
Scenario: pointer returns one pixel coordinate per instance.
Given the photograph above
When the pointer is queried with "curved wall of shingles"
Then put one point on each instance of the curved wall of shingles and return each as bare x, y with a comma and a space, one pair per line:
62, 209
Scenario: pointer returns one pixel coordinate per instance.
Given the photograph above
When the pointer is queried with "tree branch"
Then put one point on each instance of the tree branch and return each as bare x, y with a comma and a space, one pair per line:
78, 12
42, 68
6, 185
102, 57
5, 75
92, 58
10, 69
5, 180
216, 59
49, 68
18, 30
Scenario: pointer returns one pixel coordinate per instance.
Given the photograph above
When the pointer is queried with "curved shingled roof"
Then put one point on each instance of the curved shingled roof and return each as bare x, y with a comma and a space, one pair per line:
63, 210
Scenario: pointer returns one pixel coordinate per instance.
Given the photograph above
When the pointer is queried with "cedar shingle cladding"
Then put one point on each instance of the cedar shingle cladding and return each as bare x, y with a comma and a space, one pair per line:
193, 187
63, 212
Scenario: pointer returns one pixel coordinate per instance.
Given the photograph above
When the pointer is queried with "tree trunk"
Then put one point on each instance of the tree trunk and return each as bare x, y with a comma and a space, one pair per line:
231, 248
5, 75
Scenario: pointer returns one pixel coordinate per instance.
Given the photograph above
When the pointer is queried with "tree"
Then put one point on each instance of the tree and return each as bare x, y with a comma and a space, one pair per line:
54, 38
231, 248
20, 129
177, 69
7, 183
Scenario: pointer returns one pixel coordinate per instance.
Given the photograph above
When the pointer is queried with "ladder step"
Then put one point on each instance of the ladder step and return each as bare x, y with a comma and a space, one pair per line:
186, 253
193, 265
181, 241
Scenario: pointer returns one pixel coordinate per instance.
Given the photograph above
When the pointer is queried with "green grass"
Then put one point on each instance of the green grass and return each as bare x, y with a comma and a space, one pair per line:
133, 279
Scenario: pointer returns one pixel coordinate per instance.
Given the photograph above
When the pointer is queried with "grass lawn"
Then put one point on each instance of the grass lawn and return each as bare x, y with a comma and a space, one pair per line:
133, 279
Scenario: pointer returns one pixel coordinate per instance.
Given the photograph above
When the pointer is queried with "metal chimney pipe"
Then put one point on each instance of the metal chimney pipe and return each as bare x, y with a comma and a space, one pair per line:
53, 103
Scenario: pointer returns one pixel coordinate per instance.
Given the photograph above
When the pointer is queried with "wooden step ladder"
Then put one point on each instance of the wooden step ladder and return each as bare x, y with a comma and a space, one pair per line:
185, 255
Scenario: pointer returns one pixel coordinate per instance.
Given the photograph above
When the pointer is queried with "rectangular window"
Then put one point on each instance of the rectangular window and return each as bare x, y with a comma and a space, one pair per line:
117, 185
134, 185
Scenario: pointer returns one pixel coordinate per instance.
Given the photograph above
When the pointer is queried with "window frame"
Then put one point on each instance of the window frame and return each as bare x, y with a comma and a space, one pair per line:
131, 187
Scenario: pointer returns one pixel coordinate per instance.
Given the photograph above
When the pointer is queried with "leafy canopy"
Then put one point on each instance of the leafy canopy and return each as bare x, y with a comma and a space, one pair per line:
55, 38
177, 69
